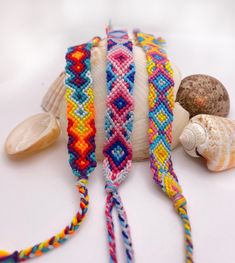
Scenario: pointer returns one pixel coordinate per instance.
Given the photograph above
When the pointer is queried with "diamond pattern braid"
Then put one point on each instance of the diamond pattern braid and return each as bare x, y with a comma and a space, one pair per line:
120, 73
80, 110
161, 104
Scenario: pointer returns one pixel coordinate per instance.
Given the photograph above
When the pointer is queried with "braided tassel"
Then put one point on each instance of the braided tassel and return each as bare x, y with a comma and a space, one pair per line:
110, 227
119, 117
181, 208
114, 200
57, 240
161, 104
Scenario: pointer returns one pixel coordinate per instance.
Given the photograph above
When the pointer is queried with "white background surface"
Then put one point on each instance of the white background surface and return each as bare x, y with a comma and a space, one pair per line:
37, 194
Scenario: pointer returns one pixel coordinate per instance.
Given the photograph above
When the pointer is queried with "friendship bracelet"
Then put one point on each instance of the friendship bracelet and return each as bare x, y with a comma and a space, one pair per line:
161, 103
80, 111
120, 72
81, 145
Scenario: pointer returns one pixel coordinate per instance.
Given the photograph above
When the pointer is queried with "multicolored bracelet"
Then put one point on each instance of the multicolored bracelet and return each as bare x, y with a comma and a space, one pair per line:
81, 145
120, 73
161, 104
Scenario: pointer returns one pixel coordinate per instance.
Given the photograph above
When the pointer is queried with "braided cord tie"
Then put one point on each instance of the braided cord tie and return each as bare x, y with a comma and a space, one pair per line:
161, 104
65, 234
120, 72
81, 145
57, 240
114, 199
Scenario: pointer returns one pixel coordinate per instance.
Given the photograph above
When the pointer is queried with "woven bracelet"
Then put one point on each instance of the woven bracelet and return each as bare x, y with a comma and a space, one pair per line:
161, 104
120, 72
81, 145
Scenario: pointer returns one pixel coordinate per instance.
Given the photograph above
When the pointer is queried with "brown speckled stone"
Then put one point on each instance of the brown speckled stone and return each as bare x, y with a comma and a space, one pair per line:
203, 94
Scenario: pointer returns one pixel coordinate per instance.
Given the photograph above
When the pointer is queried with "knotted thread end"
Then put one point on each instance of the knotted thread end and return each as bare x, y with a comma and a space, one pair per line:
111, 187
82, 181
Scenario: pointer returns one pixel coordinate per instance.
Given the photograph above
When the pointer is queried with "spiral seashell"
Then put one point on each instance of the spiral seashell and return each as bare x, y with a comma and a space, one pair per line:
203, 94
213, 138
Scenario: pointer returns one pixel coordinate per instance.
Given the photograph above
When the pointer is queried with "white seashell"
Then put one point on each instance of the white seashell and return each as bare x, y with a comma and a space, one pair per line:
33, 134
193, 135
140, 129
181, 119
177, 78
213, 138
51, 102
